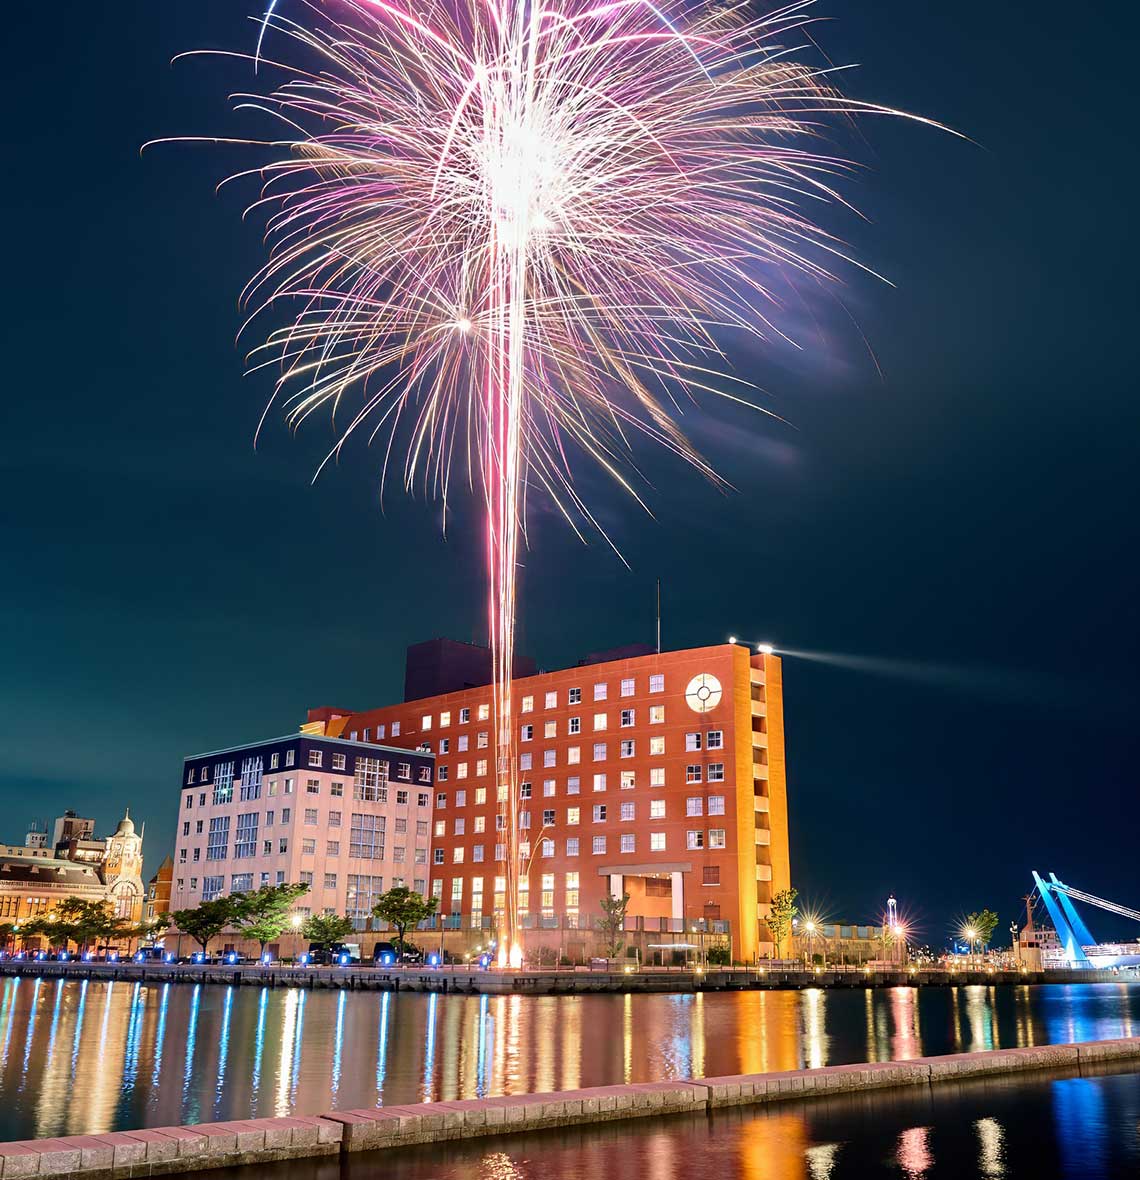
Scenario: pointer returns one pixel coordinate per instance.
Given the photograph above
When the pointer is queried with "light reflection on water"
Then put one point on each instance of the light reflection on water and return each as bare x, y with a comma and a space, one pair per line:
161, 1054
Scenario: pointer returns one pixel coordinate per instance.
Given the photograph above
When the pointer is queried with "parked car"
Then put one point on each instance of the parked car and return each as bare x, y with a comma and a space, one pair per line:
338, 954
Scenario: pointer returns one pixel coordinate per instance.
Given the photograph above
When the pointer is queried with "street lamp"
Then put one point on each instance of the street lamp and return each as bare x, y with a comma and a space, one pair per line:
809, 926
765, 649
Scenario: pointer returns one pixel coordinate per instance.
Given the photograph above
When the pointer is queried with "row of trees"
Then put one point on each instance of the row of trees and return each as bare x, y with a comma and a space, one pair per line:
85, 924
265, 914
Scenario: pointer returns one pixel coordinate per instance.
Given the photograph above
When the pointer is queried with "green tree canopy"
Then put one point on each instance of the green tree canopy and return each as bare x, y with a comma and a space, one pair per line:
612, 922
982, 925
326, 929
403, 907
207, 920
781, 911
264, 914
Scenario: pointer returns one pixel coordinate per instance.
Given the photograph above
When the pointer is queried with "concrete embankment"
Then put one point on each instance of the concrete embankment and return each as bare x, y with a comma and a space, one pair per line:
472, 981
173, 1150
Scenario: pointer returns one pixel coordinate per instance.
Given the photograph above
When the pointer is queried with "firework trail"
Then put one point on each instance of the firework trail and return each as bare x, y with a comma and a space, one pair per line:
508, 232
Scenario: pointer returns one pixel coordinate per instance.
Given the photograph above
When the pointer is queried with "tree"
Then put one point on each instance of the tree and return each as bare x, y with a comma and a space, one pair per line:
87, 922
326, 929
781, 911
979, 928
403, 907
207, 920
263, 914
7, 932
613, 922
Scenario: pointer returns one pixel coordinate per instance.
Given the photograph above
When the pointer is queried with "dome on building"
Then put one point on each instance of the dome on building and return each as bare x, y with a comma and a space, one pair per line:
126, 825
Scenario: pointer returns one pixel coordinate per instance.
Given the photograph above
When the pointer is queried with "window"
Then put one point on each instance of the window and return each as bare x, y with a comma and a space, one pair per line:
548, 817
198, 827
362, 894
445, 719
657, 776
480, 796
657, 682
425, 722
481, 768
716, 838
694, 840
308, 846
573, 815
285, 814
598, 846
366, 836
315, 757
395, 729
481, 740
330, 880
573, 755
445, 745
460, 801
441, 774
599, 813
186, 828
311, 816
437, 856
189, 802
211, 887
657, 809
601, 720
525, 790
287, 787
480, 823
483, 712
599, 782
527, 705
460, 826
552, 700
574, 725
282, 846
574, 696
549, 757
627, 716
526, 733
600, 692
190, 776
628, 842
599, 751
525, 762
500, 852
250, 788
440, 828
692, 741
402, 799
338, 762
457, 855
716, 772
274, 761
715, 739
440, 800
548, 787
464, 715
334, 819
332, 848
290, 757
573, 785
694, 805
572, 846
627, 748
716, 805
223, 782
312, 786
217, 842
371, 780
462, 744
656, 746
245, 836
421, 827
656, 714
477, 853
336, 790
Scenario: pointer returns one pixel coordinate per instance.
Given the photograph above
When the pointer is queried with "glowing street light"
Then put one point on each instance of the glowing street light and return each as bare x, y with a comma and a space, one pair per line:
765, 649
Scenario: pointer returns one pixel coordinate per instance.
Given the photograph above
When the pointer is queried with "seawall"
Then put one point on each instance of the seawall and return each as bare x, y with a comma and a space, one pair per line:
173, 1150
474, 981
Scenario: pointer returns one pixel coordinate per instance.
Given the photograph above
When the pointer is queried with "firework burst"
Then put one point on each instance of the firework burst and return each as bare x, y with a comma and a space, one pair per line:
509, 233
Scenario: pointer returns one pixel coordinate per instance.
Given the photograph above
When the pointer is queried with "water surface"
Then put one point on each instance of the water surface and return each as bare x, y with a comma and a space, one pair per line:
82, 1057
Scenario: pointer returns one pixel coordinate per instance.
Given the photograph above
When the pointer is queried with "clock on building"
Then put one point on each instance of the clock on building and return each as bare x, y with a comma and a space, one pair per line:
703, 693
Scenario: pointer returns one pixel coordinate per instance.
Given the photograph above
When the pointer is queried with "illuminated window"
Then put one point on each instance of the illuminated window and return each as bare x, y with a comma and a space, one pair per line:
599, 813
627, 748
573, 755
627, 780
444, 719
716, 838
656, 746
480, 824
657, 682
657, 809
526, 733
550, 729
573, 785
461, 770
425, 722
572, 846
552, 700
599, 782
461, 746
527, 705
600, 692
548, 787
628, 811
480, 796
694, 805
628, 842
598, 846
481, 740
464, 716
482, 712
716, 805
692, 741
656, 841
573, 815
600, 721
657, 776
599, 751
694, 840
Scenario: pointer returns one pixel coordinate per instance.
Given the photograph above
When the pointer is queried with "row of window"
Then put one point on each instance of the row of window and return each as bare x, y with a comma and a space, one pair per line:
627, 688
361, 894
368, 787
249, 784
627, 781
600, 751
627, 812
695, 840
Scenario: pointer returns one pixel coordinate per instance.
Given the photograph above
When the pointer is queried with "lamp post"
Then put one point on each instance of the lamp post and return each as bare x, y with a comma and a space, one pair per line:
809, 927
296, 920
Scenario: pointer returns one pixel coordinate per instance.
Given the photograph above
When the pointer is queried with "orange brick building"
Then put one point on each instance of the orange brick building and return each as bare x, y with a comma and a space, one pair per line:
659, 775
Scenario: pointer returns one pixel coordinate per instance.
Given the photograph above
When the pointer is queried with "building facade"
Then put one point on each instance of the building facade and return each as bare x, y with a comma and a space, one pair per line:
349, 819
658, 775
35, 878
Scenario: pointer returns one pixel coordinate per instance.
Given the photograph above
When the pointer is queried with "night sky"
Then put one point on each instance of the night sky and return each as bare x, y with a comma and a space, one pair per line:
961, 528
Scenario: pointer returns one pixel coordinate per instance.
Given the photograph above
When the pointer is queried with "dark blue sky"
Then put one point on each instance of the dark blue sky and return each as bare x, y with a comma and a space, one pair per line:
972, 511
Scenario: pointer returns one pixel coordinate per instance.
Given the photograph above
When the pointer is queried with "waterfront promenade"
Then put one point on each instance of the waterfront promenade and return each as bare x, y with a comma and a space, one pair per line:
537, 982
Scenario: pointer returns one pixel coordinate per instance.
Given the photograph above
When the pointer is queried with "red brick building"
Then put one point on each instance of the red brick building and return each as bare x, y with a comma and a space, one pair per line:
659, 775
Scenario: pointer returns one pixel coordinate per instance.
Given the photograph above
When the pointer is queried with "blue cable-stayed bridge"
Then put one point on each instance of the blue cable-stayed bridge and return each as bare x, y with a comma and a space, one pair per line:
1077, 947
